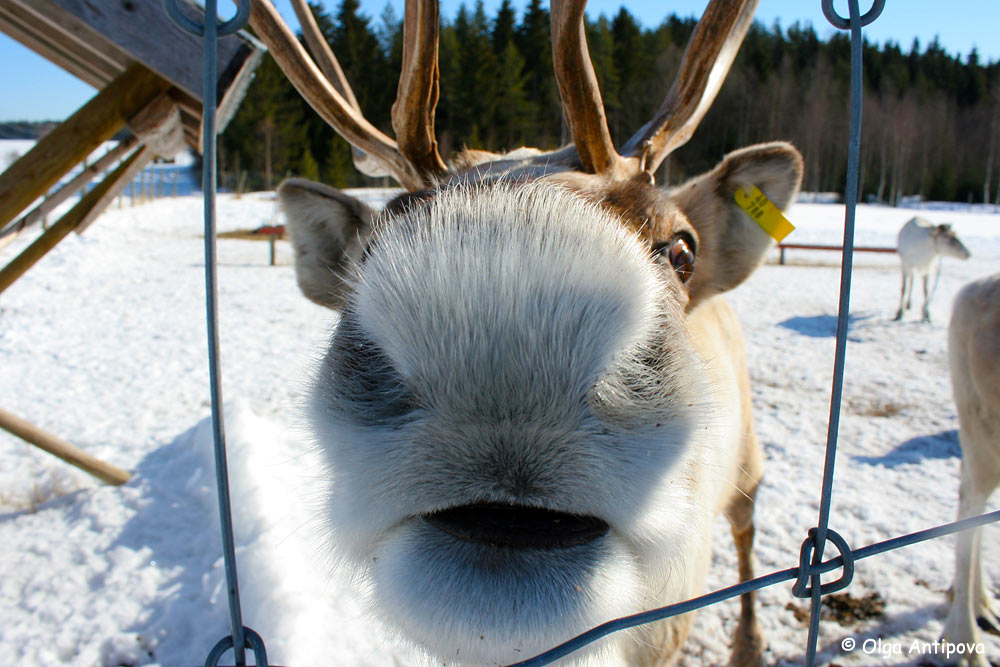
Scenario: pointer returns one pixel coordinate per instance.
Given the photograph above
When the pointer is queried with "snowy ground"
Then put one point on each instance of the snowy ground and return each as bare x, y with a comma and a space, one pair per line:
102, 343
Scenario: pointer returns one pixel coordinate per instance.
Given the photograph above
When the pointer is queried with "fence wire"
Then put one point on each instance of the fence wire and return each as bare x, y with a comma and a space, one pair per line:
241, 638
811, 567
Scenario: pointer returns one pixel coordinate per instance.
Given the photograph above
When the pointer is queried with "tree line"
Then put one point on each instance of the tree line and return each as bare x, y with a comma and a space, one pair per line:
25, 129
930, 123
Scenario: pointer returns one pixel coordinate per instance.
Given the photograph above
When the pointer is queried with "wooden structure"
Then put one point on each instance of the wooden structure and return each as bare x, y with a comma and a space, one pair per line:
149, 76
73, 455
782, 247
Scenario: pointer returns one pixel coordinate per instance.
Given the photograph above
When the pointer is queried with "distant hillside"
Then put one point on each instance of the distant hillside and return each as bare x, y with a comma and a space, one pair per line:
25, 129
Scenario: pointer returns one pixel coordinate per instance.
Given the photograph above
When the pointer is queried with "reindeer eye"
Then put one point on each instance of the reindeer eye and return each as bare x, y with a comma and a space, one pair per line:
679, 252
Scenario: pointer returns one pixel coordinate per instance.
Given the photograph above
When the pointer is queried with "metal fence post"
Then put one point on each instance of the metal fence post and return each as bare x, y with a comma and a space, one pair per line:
241, 637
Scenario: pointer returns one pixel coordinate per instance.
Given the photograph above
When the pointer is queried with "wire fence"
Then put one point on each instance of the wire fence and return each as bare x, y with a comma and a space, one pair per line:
811, 567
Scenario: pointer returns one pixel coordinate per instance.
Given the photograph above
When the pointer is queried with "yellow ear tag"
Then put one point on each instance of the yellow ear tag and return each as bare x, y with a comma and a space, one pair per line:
767, 215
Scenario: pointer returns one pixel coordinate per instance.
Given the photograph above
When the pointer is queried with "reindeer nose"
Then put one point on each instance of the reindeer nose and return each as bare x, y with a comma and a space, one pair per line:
517, 526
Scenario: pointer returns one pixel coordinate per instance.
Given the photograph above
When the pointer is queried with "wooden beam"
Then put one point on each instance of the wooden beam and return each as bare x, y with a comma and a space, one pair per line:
75, 48
68, 144
89, 206
158, 125
88, 174
123, 31
67, 452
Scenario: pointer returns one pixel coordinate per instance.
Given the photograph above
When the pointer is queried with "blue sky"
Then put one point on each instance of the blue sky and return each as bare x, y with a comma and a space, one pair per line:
31, 88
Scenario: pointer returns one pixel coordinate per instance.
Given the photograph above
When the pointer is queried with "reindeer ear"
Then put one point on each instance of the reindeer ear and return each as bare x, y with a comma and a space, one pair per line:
328, 230
730, 243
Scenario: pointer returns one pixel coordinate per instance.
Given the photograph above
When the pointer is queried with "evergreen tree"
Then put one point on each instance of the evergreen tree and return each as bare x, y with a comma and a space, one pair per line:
931, 119
478, 72
512, 113
358, 51
602, 52
534, 44
503, 28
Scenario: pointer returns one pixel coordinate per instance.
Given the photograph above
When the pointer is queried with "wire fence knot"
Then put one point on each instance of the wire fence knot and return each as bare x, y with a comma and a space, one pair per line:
841, 23
198, 29
252, 641
808, 569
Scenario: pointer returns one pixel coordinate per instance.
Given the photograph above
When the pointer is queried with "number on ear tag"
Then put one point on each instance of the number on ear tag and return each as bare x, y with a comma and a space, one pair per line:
765, 213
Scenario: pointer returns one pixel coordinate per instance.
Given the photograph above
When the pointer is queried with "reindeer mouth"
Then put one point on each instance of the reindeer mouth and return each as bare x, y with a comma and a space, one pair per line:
517, 526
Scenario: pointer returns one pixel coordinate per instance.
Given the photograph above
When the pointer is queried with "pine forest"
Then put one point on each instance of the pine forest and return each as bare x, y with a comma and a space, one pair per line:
931, 124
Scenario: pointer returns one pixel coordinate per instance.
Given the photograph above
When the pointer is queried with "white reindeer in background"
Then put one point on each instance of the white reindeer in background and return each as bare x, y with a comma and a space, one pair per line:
535, 401
974, 356
921, 244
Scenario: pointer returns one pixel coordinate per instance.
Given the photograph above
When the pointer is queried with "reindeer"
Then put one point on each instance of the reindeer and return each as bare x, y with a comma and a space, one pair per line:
974, 356
535, 400
921, 244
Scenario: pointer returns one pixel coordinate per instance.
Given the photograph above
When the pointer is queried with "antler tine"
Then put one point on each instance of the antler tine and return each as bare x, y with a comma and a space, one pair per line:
417, 95
707, 59
321, 53
324, 98
582, 104
330, 66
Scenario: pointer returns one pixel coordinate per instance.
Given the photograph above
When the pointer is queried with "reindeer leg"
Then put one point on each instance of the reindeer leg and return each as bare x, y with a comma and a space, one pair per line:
926, 312
983, 479
749, 644
982, 603
970, 597
902, 297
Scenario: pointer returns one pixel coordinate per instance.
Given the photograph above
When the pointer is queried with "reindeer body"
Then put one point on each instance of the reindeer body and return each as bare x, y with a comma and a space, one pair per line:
921, 244
535, 401
974, 356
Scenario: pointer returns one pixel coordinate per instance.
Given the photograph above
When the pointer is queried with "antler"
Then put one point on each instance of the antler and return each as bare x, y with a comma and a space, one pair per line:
416, 164
582, 104
707, 60
322, 54
709, 55
417, 95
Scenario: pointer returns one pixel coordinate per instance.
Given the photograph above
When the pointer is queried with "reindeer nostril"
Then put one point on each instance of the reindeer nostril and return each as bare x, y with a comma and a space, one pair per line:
517, 526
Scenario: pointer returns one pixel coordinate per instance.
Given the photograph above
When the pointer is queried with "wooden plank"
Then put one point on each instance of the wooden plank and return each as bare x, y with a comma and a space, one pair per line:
782, 247
234, 82
67, 452
142, 30
84, 211
73, 46
807, 246
88, 174
68, 144
97, 41
115, 183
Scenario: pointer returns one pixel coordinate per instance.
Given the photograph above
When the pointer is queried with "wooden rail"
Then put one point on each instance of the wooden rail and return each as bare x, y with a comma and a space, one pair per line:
67, 452
782, 247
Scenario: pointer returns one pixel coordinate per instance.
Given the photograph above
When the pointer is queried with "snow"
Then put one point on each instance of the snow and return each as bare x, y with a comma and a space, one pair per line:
103, 344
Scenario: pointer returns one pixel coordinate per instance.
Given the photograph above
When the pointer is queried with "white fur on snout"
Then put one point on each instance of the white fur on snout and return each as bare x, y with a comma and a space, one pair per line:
517, 288
515, 319
510, 604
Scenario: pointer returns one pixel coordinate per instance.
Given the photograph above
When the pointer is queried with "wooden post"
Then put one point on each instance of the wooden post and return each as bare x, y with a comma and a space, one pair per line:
272, 241
67, 452
68, 144
85, 210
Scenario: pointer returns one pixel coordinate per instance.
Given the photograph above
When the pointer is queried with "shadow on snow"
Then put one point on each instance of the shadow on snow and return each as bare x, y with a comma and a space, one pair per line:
943, 445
